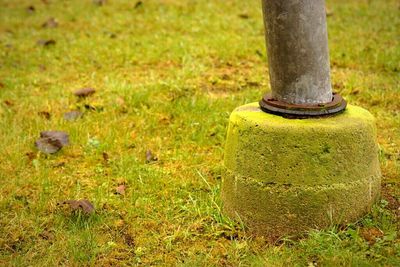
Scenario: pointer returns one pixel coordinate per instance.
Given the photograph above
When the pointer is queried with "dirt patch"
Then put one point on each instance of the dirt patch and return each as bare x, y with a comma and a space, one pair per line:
389, 194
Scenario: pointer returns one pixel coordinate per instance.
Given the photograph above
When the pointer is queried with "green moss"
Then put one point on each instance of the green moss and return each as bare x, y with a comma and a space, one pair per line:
274, 210
285, 176
271, 148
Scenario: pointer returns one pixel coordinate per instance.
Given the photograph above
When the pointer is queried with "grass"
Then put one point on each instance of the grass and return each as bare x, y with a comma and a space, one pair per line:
167, 74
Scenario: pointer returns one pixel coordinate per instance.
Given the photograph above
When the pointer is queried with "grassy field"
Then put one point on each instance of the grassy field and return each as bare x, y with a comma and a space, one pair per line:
167, 74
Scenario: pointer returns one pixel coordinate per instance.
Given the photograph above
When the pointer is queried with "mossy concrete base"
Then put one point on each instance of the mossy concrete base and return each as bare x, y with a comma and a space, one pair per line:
285, 176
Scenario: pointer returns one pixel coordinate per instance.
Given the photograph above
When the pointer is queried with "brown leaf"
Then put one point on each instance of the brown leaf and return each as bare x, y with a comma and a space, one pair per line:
106, 157
84, 92
120, 189
48, 145
84, 205
8, 103
244, 16
371, 234
44, 114
31, 155
51, 142
46, 43
72, 115
50, 23
30, 9
120, 101
138, 4
46, 235
129, 239
99, 2
150, 157
63, 137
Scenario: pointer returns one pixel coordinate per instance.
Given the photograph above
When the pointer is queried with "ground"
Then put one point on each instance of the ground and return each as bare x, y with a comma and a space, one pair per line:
167, 74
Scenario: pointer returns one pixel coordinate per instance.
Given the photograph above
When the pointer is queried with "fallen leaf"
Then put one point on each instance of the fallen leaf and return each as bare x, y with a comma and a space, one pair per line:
84, 205
120, 101
31, 9
371, 234
244, 16
46, 43
50, 23
59, 164
56, 135
46, 235
51, 142
72, 115
31, 155
8, 103
128, 239
120, 189
99, 2
106, 157
84, 92
138, 4
45, 114
47, 145
150, 157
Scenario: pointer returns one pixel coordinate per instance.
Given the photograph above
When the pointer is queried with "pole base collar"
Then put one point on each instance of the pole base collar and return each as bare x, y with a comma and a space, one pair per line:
270, 105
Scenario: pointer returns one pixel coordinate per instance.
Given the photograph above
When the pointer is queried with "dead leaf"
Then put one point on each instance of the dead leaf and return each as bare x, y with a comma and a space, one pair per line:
72, 115
99, 2
31, 9
51, 142
46, 235
84, 205
120, 189
50, 23
84, 92
138, 4
44, 114
106, 157
371, 234
120, 101
31, 155
8, 103
46, 43
93, 107
244, 16
128, 239
59, 164
56, 135
47, 145
150, 157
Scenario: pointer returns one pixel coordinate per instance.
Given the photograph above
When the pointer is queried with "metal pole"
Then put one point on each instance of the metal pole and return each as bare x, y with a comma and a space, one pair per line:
298, 56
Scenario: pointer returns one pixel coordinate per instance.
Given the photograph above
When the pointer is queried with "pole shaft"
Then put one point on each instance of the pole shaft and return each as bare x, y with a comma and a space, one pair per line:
298, 55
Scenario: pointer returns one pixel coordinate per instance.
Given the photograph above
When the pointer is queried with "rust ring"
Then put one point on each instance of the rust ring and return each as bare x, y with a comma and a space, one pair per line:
271, 105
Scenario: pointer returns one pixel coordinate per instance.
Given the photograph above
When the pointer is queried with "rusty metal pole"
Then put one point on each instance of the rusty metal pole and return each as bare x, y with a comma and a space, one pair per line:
298, 56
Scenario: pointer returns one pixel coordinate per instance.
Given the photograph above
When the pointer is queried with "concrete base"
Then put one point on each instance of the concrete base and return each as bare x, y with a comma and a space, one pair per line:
286, 176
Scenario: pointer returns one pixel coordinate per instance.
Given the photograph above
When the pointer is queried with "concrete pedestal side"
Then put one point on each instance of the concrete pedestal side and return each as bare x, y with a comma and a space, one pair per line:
286, 176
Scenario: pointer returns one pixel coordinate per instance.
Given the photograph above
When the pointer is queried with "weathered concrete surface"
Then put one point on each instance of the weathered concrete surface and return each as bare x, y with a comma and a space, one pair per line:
285, 176
298, 55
